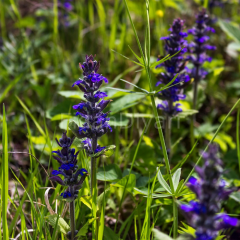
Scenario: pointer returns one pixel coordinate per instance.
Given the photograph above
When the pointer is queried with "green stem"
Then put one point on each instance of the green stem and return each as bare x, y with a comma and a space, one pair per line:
193, 119
168, 135
72, 215
237, 137
175, 218
94, 188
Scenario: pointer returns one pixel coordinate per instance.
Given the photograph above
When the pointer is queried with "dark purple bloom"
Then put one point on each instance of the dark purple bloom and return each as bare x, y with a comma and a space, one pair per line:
210, 191
199, 47
68, 169
68, 6
96, 123
176, 65
66, 194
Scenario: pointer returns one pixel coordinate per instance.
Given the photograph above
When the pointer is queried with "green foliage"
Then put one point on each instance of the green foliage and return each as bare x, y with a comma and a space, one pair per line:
138, 184
55, 220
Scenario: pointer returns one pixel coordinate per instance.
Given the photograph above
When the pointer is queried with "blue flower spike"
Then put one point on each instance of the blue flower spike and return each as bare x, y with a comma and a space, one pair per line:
204, 213
68, 169
96, 122
174, 43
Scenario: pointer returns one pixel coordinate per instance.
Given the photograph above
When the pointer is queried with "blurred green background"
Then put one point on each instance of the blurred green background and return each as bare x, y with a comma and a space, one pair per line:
41, 45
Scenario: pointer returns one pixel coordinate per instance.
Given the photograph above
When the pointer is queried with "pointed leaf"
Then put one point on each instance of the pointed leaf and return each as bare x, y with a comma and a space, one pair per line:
163, 182
160, 235
176, 178
129, 180
138, 58
61, 224
231, 30
128, 58
135, 86
75, 129
84, 230
110, 172
108, 151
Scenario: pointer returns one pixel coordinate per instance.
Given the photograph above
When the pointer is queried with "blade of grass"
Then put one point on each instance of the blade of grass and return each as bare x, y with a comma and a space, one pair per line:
147, 68
4, 195
214, 136
237, 137
32, 117
2, 19
133, 161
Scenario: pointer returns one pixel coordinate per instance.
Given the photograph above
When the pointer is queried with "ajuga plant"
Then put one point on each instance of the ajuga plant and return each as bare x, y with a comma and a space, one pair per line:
96, 121
205, 214
198, 49
175, 45
66, 8
69, 170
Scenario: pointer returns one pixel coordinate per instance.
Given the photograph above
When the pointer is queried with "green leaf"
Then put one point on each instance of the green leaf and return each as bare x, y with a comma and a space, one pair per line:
61, 224
235, 196
84, 230
32, 117
131, 182
176, 178
110, 172
107, 151
118, 120
203, 129
186, 113
87, 200
124, 90
160, 235
72, 94
65, 107
163, 182
109, 234
75, 129
186, 236
231, 30
146, 193
128, 58
100, 198
138, 58
143, 90
125, 102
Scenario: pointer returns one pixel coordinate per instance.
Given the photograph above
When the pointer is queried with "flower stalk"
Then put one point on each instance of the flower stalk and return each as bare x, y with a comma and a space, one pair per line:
69, 170
174, 43
96, 122
198, 56
204, 214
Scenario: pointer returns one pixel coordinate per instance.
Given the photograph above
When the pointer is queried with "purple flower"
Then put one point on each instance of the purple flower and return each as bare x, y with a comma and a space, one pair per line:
199, 47
99, 149
173, 43
173, 111
66, 194
210, 191
96, 123
68, 169
68, 6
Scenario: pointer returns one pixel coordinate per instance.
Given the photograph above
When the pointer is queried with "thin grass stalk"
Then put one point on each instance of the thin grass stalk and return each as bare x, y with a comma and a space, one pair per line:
237, 137
148, 71
168, 122
147, 68
134, 158
210, 142
4, 193
193, 119
2, 19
